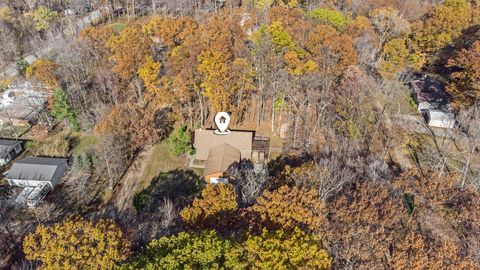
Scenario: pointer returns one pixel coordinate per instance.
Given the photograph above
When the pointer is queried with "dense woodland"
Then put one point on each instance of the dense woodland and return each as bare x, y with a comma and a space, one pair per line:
353, 187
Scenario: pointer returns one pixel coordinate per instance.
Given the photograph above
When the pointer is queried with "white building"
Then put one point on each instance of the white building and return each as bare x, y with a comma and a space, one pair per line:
440, 118
37, 175
9, 149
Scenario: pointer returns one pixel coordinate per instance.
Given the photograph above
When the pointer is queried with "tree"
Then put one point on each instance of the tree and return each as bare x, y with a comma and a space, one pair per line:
216, 200
190, 251
389, 23
465, 84
129, 51
128, 121
43, 18
44, 71
330, 17
77, 243
281, 250
179, 142
289, 207
62, 110
441, 26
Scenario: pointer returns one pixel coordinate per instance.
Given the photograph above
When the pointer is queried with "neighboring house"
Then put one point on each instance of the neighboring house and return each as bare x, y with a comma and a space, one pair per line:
21, 104
432, 101
9, 149
37, 175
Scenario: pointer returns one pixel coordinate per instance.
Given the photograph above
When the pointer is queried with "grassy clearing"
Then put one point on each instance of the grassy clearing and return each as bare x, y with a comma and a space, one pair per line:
161, 161
83, 143
56, 145
6, 131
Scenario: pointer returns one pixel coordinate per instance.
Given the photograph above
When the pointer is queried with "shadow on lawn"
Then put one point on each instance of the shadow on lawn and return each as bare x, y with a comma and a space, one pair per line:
180, 186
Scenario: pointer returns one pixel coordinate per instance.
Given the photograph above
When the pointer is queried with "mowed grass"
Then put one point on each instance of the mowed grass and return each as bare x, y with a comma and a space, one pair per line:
161, 161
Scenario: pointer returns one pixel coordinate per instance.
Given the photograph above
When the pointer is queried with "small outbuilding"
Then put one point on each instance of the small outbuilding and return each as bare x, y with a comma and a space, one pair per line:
9, 149
440, 118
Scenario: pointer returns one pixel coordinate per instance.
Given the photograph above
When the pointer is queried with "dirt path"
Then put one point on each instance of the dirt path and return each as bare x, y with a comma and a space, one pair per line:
123, 193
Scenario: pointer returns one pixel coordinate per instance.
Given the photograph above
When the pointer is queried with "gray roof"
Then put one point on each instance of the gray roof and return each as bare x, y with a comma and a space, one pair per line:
38, 169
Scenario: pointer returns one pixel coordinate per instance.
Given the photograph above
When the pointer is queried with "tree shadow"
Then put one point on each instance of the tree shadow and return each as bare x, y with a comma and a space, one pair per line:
180, 186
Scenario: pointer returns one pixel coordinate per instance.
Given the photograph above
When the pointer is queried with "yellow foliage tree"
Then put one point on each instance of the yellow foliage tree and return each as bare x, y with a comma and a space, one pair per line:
286, 250
77, 243
215, 199
44, 71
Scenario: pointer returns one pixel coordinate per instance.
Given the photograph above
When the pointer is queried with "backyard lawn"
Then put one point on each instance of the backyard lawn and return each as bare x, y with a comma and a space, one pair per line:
161, 161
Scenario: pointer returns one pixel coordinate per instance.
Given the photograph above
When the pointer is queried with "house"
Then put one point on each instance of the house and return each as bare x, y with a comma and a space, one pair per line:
21, 104
217, 150
9, 149
37, 175
433, 102
429, 93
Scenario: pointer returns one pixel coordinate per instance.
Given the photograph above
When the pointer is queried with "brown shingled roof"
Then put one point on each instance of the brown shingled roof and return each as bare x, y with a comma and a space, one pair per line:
220, 158
207, 139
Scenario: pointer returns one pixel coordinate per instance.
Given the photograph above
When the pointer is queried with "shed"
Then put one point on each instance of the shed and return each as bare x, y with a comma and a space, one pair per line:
220, 158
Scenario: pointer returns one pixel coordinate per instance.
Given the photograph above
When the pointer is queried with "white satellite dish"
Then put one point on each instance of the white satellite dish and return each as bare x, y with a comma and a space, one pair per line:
222, 119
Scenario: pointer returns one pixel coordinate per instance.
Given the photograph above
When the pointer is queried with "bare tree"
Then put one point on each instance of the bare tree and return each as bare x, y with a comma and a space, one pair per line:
249, 182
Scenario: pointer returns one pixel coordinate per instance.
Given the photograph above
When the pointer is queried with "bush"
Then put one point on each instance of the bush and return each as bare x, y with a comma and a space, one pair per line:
412, 102
140, 200
82, 162
22, 66
179, 142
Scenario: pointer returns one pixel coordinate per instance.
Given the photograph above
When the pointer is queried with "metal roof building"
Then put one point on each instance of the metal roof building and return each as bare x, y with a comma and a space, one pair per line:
33, 171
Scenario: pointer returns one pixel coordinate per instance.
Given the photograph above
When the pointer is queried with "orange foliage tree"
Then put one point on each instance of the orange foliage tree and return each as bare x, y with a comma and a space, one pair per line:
44, 71
288, 207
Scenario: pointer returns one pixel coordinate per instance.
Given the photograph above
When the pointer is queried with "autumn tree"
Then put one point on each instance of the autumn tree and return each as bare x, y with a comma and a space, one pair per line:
44, 71
215, 200
389, 23
330, 17
363, 221
465, 85
128, 121
192, 251
441, 26
289, 207
77, 243
286, 250
43, 18
129, 51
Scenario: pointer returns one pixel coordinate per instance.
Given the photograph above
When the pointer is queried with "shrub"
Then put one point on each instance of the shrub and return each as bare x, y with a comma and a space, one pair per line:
179, 142
140, 200
22, 66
